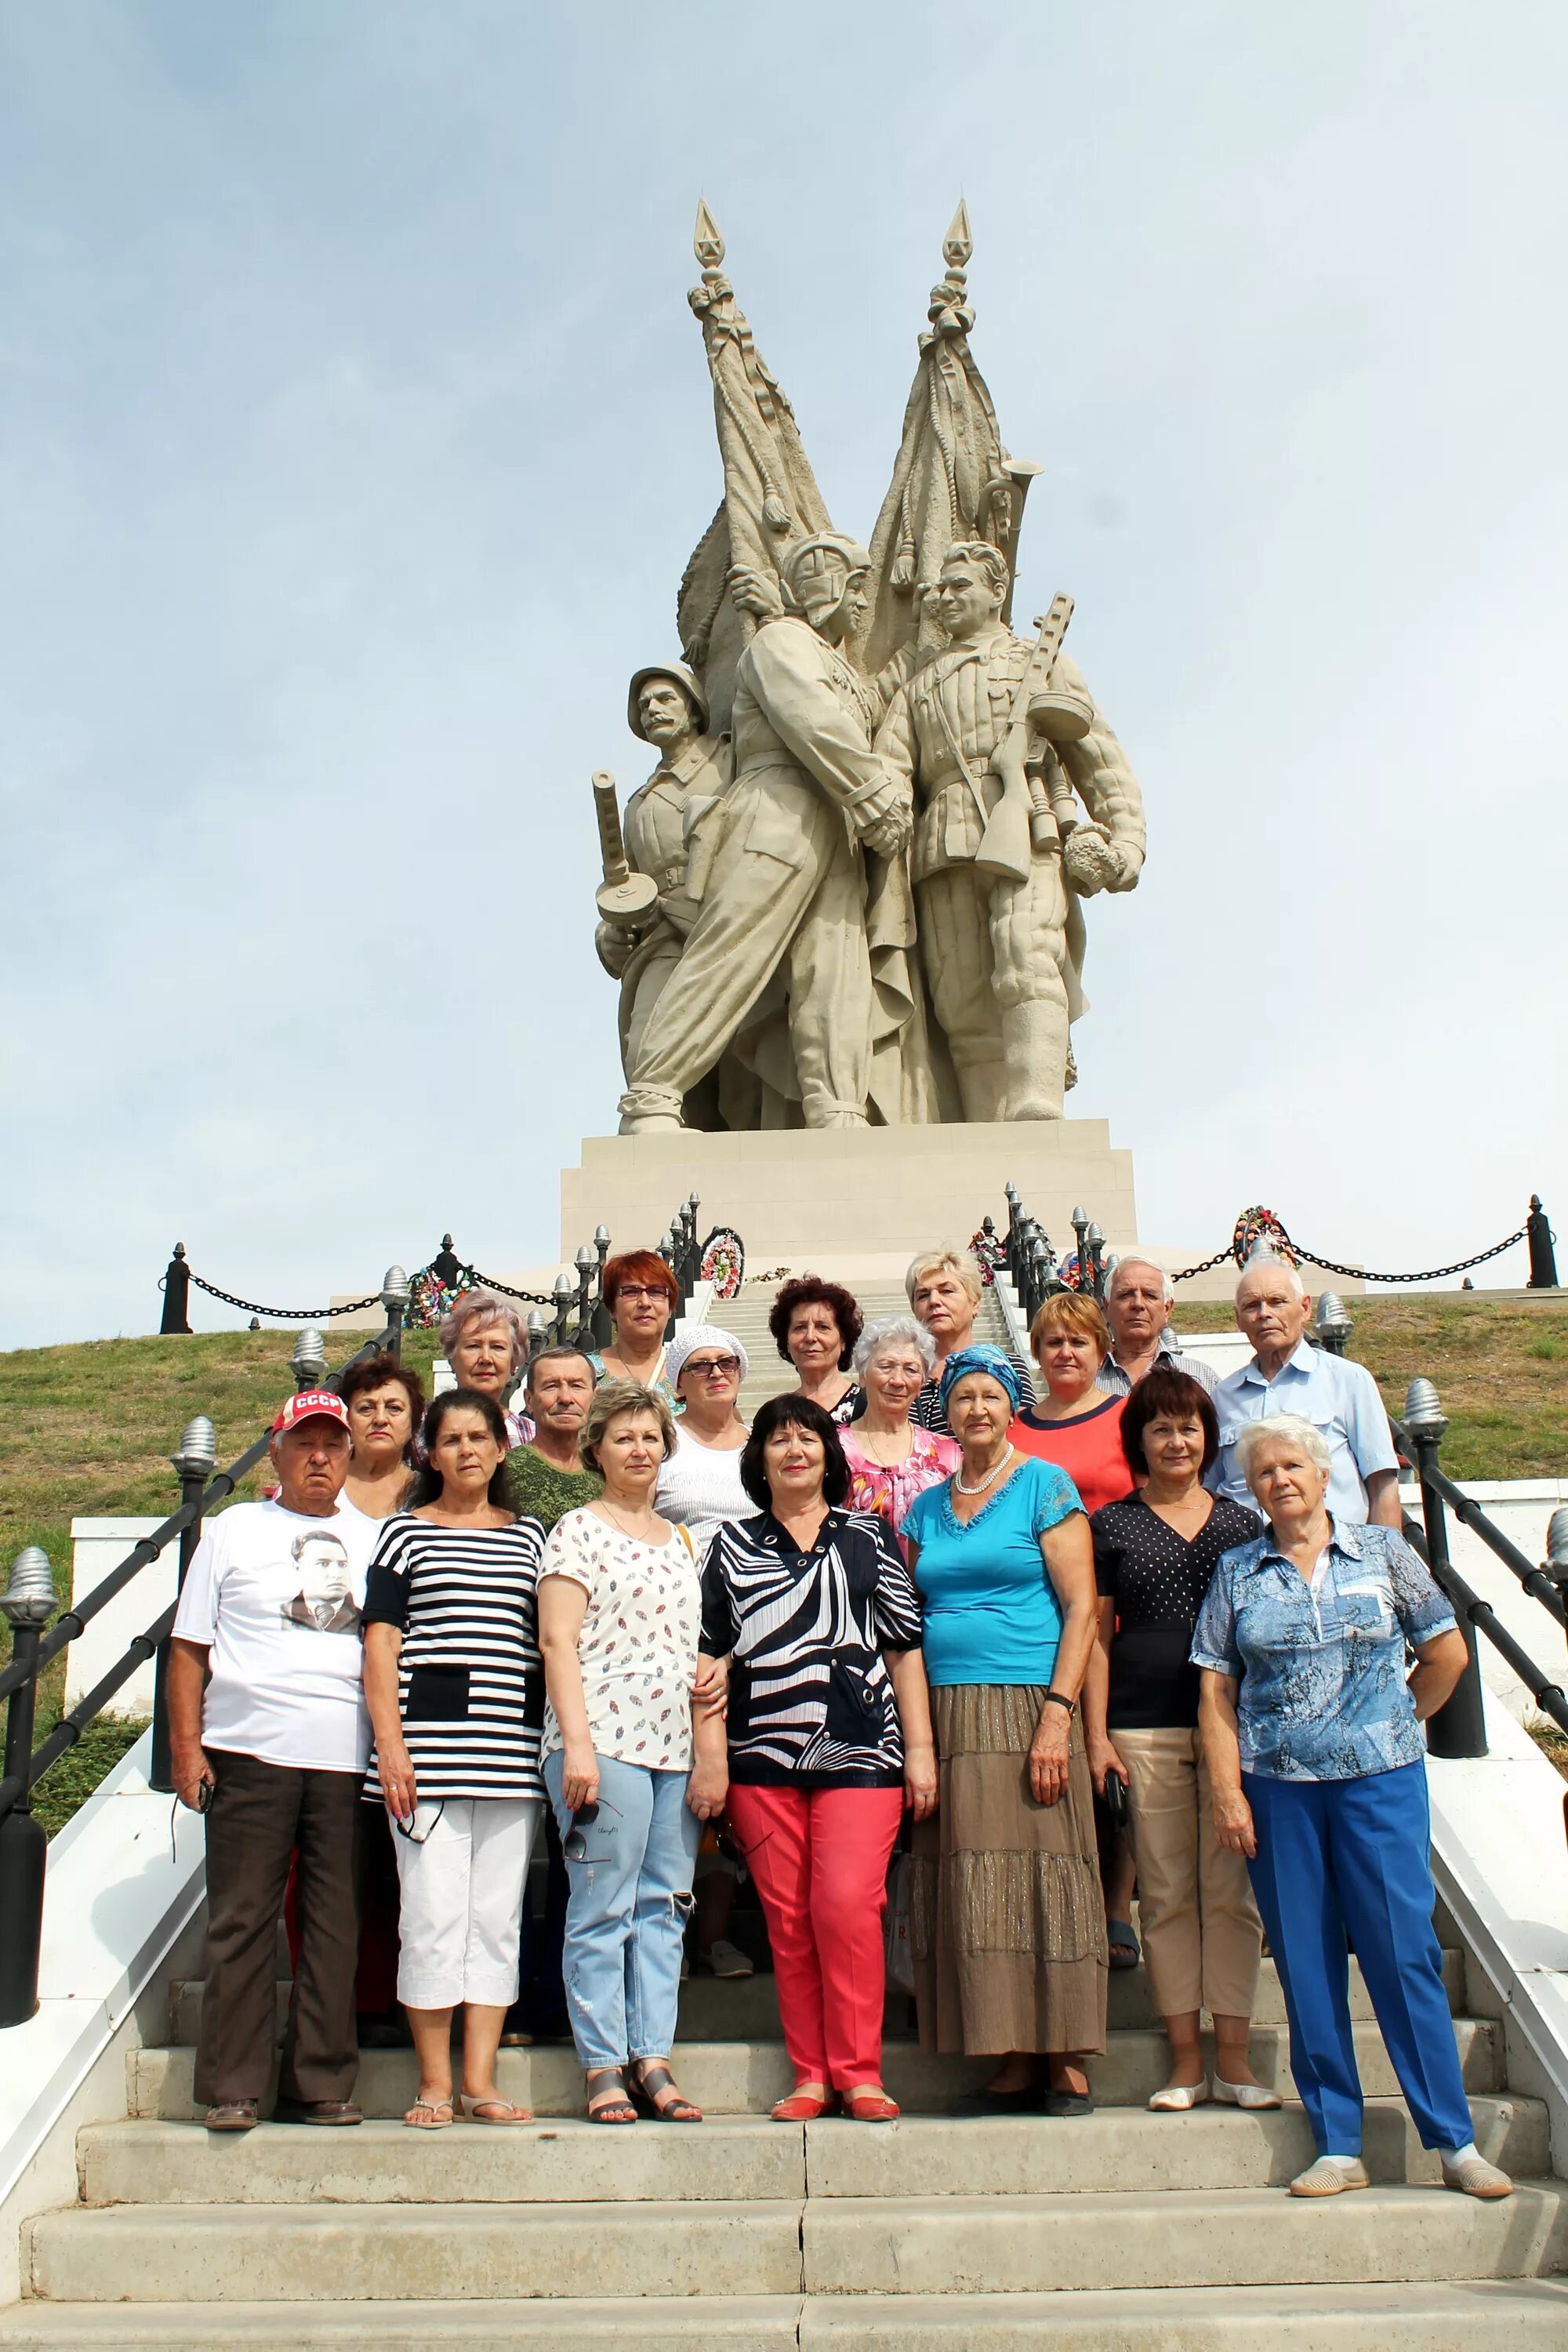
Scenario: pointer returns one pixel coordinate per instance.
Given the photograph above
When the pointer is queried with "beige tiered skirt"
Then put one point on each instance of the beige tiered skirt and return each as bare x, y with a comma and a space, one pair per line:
1007, 1917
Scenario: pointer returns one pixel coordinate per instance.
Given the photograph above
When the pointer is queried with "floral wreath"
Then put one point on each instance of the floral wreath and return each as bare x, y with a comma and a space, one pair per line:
1259, 1225
988, 1255
1070, 1272
723, 1262
430, 1299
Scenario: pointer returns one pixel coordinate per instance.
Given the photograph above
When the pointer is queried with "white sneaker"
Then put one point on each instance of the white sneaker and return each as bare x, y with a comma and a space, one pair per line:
723, 1959
1329, 2176
1474, 2177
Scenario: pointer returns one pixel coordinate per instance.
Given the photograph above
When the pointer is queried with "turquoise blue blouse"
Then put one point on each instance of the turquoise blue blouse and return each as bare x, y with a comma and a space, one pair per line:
990, 1613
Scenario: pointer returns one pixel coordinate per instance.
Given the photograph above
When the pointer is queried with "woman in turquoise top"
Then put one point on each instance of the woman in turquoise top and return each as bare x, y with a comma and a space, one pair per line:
1008, 1921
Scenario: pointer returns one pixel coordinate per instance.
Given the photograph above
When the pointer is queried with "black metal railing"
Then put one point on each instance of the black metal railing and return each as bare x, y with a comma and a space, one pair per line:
1032, 1262
1458, 1728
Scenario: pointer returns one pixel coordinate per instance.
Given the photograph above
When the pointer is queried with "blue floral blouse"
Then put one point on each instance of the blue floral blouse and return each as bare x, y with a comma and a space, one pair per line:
1322, 1666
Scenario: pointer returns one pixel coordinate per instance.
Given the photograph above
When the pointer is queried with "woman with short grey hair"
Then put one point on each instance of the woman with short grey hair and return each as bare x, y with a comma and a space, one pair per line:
891, 1459
485, 1341
1311, 1724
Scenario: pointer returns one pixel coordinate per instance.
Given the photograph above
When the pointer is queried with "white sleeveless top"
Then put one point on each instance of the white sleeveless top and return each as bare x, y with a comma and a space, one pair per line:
699, 1485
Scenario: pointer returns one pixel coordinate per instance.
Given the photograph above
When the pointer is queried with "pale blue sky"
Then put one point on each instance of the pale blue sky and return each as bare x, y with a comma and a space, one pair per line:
353, 434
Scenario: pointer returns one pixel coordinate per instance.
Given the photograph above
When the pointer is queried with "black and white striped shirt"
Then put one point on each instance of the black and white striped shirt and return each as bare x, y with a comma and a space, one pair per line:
470, 1682
810, 1696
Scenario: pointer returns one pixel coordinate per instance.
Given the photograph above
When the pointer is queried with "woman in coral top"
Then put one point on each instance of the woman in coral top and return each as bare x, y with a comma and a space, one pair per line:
1071, 1422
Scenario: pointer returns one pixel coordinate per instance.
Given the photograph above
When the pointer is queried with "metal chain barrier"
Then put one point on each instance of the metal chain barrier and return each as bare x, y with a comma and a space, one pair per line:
286, 1314
1355, 1273
487, 1282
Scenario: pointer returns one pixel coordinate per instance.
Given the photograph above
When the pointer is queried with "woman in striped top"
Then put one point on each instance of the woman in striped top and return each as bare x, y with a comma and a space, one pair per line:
829, 1735
456, 1692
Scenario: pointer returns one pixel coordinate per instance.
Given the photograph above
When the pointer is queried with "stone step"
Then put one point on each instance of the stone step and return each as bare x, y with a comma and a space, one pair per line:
746, 2077
746, 2009
1173, 2237
392, 2253
836, 2246
1213, 2148
1525, 2316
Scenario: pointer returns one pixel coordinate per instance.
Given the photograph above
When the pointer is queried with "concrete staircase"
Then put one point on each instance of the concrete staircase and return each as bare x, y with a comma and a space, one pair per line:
1123, 2231
747, 1316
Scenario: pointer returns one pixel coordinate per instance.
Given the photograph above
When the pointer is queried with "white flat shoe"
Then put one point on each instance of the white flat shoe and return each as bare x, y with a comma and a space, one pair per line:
1245, 2094
1176, 2098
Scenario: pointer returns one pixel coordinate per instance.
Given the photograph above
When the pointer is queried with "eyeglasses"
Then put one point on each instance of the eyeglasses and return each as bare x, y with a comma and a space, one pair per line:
726, 1367
639, 1290
407, 1829
574, 1845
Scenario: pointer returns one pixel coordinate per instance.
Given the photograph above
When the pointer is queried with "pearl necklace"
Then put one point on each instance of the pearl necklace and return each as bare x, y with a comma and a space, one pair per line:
995, 1466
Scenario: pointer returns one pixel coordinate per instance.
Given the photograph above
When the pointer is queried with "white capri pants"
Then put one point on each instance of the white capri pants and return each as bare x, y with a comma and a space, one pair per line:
460, 1876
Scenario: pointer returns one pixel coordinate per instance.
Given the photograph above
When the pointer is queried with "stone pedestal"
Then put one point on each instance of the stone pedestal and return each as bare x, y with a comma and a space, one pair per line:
800, 1196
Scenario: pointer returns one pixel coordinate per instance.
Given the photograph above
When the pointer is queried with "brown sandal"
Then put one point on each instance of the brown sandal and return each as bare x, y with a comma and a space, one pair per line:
615, 2107
649, 2080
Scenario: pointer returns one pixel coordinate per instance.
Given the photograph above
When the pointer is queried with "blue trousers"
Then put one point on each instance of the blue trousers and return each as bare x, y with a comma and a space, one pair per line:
1351, 1858
626, 1907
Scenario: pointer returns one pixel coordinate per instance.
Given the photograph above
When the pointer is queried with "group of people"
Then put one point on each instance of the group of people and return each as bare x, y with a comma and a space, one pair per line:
930, 1591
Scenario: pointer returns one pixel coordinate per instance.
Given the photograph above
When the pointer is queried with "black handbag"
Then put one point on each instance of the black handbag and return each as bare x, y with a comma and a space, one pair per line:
1116, 1803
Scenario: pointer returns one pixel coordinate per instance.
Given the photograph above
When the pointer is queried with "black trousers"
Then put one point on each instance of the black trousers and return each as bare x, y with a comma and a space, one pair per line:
260, 1817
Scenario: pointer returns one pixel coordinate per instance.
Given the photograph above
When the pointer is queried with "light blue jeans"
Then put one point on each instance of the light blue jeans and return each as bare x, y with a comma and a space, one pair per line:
627, 1904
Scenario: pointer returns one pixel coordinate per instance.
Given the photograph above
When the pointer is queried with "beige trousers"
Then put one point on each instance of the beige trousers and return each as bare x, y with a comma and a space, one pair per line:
1203, 1936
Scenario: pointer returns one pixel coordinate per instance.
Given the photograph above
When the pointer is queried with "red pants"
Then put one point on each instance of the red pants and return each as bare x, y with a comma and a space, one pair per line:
819, 1858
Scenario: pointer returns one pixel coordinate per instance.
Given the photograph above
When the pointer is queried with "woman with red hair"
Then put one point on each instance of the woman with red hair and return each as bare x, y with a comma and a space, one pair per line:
643, 1298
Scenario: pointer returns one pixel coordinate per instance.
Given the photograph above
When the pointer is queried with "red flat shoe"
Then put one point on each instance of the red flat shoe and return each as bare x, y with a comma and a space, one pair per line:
801, 2107
870, 2105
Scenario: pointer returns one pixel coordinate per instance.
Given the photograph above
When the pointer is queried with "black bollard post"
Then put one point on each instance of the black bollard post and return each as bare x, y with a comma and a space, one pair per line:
394, 1300
602, 1326
27, 1605
563, 1291
1542, 1258
584, 1262
1459, 1726
1331, 1327
177, 1295
196, 1462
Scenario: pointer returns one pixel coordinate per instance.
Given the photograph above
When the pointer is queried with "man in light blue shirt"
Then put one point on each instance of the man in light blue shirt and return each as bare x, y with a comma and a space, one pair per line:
1288, 1374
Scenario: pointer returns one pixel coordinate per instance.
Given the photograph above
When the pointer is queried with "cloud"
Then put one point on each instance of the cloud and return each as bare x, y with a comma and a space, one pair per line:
354, 433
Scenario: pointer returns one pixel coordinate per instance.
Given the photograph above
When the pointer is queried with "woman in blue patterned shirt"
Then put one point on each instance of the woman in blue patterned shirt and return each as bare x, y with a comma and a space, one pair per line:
1311, 1730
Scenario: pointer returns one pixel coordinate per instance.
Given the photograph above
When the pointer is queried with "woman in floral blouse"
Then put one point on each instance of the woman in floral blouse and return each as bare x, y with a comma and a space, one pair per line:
619, 1609
890, 1459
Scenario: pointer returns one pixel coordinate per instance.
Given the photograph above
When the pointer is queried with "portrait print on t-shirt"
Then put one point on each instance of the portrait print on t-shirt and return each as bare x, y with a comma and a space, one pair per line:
325, 1600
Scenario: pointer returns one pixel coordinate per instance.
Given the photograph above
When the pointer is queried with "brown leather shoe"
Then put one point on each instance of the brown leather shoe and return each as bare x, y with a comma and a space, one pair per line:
232, 2115
316, 2111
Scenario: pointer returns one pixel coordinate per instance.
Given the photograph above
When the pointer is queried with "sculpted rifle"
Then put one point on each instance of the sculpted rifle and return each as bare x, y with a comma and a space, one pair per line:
1024, 819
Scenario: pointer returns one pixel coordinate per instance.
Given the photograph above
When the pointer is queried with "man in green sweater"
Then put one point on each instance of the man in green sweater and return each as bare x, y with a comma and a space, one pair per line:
547, 1480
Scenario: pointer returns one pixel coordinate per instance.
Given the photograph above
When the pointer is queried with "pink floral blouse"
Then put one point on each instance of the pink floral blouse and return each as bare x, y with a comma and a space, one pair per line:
889, 1493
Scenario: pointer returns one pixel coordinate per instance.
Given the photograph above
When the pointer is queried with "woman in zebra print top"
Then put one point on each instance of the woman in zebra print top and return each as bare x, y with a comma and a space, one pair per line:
828, 1737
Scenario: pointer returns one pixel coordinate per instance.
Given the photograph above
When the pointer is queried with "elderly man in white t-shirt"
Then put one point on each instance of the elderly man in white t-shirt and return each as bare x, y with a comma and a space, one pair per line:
273, 1749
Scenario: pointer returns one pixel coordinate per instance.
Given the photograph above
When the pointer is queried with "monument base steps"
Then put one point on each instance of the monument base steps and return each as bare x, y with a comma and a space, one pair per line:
943, 2232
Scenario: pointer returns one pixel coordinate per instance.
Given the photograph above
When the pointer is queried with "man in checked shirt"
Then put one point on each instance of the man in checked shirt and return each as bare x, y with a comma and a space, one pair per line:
1002, 958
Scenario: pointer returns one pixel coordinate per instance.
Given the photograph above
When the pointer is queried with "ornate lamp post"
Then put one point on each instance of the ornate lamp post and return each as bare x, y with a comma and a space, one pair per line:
1459, 1727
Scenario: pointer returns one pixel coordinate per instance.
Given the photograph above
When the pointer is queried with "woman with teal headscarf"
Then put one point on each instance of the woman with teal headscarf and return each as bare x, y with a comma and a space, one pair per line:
1008, 1921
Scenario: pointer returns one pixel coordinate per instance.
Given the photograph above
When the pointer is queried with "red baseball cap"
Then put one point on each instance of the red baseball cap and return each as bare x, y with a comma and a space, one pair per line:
311, 1404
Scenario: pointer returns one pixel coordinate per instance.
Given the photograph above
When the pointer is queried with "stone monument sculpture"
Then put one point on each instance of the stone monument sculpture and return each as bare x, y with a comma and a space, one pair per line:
878, 811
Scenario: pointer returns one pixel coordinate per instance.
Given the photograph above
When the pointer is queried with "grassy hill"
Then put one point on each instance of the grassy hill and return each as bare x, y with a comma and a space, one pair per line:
1501, 1365
88, 1429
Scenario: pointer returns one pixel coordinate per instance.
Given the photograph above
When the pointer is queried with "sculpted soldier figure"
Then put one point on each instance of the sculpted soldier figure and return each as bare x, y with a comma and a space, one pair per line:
782, 907
1002, 957
667, 825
